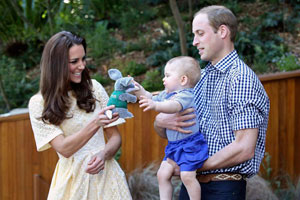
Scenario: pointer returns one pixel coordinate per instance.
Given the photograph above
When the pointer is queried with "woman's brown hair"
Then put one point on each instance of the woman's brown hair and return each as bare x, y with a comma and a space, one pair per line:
55, 82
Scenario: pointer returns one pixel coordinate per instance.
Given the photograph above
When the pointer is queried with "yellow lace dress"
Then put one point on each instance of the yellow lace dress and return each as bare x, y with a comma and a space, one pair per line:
70, 181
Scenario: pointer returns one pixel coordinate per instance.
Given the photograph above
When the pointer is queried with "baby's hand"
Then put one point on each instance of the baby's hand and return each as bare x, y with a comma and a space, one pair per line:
139, 90
149, 104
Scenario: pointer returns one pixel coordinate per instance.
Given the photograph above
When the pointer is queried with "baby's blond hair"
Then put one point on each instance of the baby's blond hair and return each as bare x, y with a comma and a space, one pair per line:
186, 65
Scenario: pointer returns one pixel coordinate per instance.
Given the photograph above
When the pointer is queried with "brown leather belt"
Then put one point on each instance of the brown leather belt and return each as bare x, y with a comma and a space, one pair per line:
205, 178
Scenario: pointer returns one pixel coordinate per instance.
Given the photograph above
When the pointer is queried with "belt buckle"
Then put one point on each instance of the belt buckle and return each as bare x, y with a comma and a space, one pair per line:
224, 177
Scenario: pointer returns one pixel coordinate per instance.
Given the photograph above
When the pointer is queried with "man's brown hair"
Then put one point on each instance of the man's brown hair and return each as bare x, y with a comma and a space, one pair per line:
220, 15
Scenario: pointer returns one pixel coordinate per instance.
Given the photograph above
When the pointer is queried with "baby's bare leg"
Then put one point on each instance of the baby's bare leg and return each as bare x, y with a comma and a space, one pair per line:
191, 183
164, 176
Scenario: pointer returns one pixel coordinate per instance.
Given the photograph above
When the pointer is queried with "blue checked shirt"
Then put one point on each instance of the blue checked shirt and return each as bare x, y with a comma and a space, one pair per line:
230, 97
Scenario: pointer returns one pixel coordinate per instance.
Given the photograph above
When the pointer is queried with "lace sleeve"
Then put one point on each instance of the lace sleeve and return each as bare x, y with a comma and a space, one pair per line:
100, 94
43, 132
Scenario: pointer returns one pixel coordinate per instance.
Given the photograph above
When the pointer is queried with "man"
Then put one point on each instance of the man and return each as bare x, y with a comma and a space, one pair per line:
232, 109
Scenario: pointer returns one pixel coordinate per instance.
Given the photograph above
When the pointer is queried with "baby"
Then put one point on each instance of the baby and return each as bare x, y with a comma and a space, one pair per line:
188, 151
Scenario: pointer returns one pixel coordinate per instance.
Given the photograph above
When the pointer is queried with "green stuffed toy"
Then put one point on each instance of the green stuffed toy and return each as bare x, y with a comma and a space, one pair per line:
120, 96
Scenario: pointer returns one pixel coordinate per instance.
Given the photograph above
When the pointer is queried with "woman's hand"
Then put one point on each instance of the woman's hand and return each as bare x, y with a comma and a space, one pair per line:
176, 121
96, 164
103, 120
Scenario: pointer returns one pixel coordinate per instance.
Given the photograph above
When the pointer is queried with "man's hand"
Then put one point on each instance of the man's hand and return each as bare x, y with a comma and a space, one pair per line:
175, 121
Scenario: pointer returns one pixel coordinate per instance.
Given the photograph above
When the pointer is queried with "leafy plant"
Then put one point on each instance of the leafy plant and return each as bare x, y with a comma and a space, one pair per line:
17, 87
153, 81
142, 44
164, 49
100, 42
134, 69
132, 15
291, 191
283, 185
102, 79
288, 62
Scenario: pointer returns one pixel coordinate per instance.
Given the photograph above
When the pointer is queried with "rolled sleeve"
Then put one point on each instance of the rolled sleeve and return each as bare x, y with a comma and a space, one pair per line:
245, 120
247, 104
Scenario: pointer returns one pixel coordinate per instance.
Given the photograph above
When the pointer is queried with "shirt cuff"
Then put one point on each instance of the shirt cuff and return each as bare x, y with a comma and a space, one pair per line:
246, 121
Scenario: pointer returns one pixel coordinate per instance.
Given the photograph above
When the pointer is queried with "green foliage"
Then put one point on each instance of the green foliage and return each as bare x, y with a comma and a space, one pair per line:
103, 8
159, 58
234, 6
102, 79
288, 62
153, 81
100, 42
291, 191
258, 45
17, 87
266, 164
164, 49
283, 186
134, 69
132, 15
259, 67
140, 45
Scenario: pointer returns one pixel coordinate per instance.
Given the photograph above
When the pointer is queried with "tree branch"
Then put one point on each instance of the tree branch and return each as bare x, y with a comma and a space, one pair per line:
20, 14
180, 25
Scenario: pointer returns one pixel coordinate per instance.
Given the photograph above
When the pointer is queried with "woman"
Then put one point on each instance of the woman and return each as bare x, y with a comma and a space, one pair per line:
68, 115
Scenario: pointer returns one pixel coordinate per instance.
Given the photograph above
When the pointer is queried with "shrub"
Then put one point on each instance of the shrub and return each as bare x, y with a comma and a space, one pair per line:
100, 42
153, 81
131, 17
288, 62
17, 87
102, 79
134, 69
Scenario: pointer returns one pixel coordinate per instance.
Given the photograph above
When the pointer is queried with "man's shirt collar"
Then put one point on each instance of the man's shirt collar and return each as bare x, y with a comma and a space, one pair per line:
224, 63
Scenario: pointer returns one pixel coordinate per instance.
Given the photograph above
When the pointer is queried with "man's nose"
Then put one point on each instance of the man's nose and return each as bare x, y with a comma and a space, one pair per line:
195, 41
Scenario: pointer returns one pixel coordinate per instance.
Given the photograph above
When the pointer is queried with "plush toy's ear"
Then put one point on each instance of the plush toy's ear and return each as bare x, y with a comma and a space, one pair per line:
114, 74
126, 81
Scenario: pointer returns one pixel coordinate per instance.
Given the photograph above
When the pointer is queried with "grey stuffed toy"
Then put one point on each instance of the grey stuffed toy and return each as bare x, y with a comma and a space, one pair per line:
120, 96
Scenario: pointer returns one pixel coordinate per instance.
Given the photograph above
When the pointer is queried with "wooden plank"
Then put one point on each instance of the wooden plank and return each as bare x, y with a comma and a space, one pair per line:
296, 159
290, 121
21, 161
279, 75
41, 188
272, 138
4, 143
14, 118
282, 124
29, 154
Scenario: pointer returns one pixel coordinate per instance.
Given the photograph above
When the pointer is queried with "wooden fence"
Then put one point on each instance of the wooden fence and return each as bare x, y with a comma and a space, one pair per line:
26, 174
